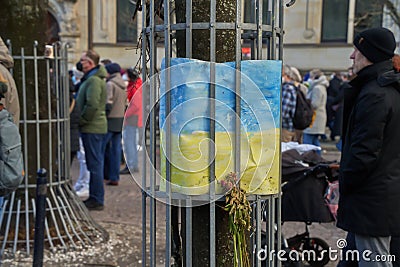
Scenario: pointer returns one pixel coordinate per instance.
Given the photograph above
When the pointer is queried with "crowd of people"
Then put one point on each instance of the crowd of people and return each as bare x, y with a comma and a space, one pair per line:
326, 98
102, 95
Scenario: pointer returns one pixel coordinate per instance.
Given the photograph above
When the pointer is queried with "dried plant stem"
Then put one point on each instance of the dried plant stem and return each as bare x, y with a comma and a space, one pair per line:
239, 220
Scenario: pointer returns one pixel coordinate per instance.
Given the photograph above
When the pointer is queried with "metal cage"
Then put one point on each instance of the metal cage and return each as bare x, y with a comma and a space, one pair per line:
43, 87
258, 26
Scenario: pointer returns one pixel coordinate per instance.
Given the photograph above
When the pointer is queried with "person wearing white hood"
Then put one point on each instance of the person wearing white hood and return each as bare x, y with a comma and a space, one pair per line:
317, 94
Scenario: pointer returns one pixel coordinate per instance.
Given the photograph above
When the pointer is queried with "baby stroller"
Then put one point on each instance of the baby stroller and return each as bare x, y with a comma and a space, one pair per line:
305, 178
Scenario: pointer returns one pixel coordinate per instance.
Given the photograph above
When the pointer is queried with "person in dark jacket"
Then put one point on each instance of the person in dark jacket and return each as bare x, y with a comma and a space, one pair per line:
369, 170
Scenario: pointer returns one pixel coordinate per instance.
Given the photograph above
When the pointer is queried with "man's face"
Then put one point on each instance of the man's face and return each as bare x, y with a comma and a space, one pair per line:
87, 63
359, 61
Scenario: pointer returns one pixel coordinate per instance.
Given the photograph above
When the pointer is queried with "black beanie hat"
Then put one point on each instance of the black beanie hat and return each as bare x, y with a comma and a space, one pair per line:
113, 68
376, 44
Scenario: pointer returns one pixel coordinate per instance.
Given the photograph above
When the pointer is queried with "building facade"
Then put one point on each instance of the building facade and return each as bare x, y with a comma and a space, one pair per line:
318, 33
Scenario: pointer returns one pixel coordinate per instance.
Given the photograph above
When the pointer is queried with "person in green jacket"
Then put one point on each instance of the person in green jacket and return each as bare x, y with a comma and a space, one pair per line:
93, 124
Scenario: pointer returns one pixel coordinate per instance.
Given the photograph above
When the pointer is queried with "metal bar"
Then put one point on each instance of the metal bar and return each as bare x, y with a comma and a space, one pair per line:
90, 24
37, 115
59, 211
71, 222
53, 216
50, 149
67, 125
238, 76
25, 136
188, 208
196, 26
258, 228
273, 24
7, 225
189, 28
167, 137
259, 28
17, 219
144, 118
188, 235
152, 137
64, 207
213, 5
271, 226
58, 126
4, 242
279, 226
281, 15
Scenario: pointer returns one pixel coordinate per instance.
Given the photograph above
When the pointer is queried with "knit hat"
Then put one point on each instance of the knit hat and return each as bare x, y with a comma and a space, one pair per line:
376, 44
113, 68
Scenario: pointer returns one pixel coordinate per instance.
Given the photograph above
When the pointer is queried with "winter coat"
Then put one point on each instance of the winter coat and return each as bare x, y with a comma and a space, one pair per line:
134, 113
370, 165
91, 102
132, 87
11, 101
116, 101
317, 95
338, 103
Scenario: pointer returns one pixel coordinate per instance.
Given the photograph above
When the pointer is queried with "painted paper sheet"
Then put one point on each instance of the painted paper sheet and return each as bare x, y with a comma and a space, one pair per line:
190, 125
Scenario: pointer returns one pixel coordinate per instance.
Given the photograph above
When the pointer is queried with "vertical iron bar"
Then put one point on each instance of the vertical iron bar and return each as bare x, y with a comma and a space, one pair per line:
278, 226
212, 131
188, 209
167, 137
258, 229
259, 13
25, 127
189, 31
152, 138
49, 120
279, 198
271, 226
273, 33
253, 37
280, 23
56, 84
17, 219
188, 233
37, 115
238, 76
7, 225
144, 118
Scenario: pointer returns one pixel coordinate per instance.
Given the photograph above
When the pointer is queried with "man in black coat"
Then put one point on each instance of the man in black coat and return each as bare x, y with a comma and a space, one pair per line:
369, 205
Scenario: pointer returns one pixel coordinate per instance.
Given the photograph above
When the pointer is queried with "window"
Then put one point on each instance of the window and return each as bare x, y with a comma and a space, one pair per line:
126, 28
368, 14
335, 20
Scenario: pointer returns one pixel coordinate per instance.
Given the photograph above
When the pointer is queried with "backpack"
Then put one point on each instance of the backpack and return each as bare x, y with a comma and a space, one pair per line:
11, 163
303, 113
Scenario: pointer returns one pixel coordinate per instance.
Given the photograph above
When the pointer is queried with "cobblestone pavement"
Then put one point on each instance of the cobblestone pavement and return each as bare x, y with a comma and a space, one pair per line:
123, 220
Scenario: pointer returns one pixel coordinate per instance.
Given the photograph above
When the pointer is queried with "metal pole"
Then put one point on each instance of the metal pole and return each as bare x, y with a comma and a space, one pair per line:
90, 24
212, 96
41, 191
